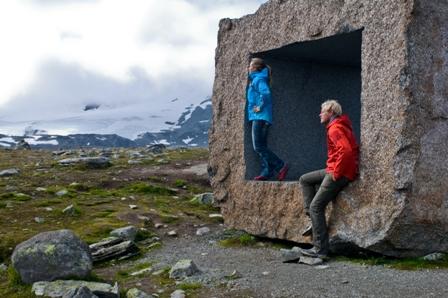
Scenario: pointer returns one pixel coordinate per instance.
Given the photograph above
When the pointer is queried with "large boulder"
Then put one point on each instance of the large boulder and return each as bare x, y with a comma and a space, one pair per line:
52, 255
59, 288
90, 162
387, 63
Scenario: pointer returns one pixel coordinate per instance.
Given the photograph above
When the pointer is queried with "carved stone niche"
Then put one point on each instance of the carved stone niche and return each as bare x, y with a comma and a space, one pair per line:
387, 63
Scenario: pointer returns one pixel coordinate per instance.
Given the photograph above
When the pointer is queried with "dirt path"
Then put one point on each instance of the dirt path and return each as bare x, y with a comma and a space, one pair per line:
264, 275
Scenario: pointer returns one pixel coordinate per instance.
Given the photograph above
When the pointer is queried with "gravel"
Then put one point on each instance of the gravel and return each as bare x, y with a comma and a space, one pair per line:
264, 275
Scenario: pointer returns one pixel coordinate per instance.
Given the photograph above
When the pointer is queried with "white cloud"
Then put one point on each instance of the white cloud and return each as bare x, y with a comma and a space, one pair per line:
165, 41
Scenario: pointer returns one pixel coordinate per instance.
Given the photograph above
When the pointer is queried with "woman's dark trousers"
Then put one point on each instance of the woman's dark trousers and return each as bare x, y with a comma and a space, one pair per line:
269, 161
316, 202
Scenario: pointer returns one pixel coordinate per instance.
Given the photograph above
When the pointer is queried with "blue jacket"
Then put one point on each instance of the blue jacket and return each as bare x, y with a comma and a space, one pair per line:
258, 93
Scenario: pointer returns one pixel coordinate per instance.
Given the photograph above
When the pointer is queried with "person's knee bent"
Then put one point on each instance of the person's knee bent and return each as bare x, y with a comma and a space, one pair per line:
316, 207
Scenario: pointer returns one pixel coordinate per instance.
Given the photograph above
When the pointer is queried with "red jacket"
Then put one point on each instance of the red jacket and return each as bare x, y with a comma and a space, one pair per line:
343, 151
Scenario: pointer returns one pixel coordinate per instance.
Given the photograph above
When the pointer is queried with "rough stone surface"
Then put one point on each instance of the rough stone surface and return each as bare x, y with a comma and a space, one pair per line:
58, 288
204, 198
183, 268
9, 172
399, 204
80, 292
291, 255
202, 231
178, 294
311, 261
127, 233
136, 293
52, 255
91, 162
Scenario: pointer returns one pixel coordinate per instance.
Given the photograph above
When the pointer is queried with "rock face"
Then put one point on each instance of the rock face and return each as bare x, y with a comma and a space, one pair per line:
52, 255
59, 288
91, 162
387, 63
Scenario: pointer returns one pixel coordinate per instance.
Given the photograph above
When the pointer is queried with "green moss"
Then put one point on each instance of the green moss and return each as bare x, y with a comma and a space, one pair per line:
180, 183
243, 239
143, 188
2, 205
50, 249
14, 279
144, 234
399, 264
189, 286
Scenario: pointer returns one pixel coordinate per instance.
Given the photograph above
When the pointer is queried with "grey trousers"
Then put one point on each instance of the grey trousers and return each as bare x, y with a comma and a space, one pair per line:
316, 202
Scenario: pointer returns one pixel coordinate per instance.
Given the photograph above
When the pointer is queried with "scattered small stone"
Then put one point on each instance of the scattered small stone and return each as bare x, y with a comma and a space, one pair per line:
62, 192
183, 268
265, 273
215, 215
234, 275
204, 198
204, 254
165, 226
48, 209
344, 281
158, 225
132, 197
291, 255
126, 233
437, 256
172, 233
70, 210
311, 261
39, 220
123, 199
143, 218
134, 162
322, 267
178, 294
158, 272
9, 172
202, 231
3, 268
41, 189
143, 271
133, 206
136, 293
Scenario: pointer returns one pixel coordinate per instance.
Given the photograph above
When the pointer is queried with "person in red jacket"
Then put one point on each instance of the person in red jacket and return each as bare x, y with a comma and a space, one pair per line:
342, 167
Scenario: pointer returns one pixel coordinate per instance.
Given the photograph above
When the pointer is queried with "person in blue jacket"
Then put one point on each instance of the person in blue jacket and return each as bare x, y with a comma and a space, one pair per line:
259, 108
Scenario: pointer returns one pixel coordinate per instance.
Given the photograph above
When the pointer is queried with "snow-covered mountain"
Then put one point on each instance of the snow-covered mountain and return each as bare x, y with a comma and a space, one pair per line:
102, 126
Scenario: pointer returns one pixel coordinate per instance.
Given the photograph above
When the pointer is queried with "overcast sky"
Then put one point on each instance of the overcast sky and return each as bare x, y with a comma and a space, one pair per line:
58, 55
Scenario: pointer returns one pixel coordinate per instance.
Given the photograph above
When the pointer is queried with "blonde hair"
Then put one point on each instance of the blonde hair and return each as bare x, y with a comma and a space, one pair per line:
333, 106
259, 64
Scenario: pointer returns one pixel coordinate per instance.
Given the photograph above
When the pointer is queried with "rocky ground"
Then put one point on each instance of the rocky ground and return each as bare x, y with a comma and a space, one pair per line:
154, 192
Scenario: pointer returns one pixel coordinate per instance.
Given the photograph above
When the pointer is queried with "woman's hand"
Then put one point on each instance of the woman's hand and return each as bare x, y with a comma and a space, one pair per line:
256, 109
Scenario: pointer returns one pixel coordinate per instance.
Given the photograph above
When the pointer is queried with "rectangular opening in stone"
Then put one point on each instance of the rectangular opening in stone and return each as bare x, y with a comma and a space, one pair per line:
305, 74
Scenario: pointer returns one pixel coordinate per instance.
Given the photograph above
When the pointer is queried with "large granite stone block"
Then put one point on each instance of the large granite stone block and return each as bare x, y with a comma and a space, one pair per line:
387, 63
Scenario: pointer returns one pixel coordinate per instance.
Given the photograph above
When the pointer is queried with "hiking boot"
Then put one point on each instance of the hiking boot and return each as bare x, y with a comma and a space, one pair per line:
282, 173
261, 178
308, 231
313, 252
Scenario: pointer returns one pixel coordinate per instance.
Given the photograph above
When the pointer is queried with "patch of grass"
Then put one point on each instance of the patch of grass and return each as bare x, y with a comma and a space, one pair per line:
163, 279
180, 183
2, 205
17, 196
399, 264
189, 286
13, 277
244, 239
143, 235
168, 218
143, 188
48, 202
